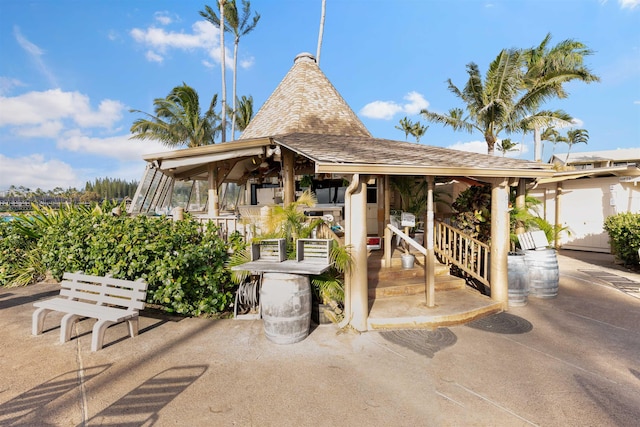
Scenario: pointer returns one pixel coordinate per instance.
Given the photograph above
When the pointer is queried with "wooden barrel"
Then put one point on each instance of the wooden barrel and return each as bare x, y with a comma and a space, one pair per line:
544, 274
518, 279
285, 302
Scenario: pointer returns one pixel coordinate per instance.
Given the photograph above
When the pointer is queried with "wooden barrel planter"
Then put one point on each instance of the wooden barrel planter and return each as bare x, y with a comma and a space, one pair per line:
285, 301
544, 274
518, 279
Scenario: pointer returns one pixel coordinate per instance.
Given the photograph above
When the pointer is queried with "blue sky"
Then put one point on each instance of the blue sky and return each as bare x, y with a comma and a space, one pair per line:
70, 71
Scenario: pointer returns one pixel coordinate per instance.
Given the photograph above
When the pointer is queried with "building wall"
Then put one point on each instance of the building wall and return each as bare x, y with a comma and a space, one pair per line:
585, 204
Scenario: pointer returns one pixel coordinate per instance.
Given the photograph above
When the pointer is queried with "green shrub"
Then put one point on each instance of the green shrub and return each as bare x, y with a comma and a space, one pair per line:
624, 235
17, 257
183, 263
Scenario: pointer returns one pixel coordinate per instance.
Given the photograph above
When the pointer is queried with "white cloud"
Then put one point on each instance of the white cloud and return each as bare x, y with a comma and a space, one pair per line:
471, 146
629, 4
34, 171
118, 147
204, 36
36, 54
385, 110
153, 57
7, 84
163, 17
416, 103
49, 129
36, 108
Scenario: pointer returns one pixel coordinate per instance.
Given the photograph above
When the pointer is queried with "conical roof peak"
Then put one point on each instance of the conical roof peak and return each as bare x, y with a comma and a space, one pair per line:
305, 101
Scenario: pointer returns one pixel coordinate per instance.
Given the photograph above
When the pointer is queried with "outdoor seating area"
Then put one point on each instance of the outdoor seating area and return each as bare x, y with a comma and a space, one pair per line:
105, 299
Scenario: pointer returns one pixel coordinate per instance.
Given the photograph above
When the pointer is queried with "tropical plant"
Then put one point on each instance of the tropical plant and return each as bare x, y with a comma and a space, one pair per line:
547, 69
506, 146
178, 120
417, 130
238, 26
574, 137
624, 236
244, 113
517, 83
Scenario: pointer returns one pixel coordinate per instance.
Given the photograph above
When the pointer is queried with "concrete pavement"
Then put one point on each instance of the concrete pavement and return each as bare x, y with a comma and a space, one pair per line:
573, 360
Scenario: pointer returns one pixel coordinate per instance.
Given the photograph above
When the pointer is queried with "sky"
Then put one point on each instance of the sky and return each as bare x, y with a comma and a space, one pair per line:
71, 71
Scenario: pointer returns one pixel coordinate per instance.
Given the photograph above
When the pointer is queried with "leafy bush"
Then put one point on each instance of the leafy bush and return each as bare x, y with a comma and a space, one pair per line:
183, 262
17, 252
624, 235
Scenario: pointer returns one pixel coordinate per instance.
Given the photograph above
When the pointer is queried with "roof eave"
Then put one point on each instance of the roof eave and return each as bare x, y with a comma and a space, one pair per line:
208, 149
393, 169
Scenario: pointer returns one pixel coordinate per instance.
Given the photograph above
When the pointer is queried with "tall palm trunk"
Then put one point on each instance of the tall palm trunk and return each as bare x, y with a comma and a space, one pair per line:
224, 80
324, 8
235, 73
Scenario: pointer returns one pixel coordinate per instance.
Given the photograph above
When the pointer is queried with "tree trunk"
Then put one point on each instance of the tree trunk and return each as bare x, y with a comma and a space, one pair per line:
224, 83
324, 8
537, 144
235, 74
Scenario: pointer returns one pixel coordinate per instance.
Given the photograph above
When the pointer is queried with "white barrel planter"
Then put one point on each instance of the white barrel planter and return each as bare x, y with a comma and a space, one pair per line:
543, 272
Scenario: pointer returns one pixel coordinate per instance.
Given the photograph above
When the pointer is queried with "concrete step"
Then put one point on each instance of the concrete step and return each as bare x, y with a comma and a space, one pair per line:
377, 274
412, 286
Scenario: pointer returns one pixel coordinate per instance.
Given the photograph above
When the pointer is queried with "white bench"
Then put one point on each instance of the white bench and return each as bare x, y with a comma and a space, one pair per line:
106, 299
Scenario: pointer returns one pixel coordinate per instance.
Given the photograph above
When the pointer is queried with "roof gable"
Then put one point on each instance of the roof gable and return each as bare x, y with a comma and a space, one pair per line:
305, 101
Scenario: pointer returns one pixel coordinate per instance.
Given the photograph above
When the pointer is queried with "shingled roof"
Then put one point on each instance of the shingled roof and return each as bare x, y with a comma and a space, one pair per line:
305, 101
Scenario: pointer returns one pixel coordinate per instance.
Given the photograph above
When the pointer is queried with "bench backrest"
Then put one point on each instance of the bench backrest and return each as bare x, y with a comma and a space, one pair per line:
105, 290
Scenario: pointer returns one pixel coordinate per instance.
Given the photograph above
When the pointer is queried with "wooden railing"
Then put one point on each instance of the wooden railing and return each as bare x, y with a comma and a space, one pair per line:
226, 224
463, 251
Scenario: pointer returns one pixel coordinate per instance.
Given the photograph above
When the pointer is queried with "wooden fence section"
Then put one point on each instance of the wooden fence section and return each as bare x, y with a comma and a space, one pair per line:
463, 251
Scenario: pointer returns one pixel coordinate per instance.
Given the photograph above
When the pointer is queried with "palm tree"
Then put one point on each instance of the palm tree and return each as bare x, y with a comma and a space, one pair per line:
506, 146
405, 126
547, 69
238, 26
245, 112
490, 104
177, 120
575, 137
418, 130
211, 16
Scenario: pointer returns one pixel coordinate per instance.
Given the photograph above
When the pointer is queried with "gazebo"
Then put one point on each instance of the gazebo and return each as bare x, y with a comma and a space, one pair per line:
305, 128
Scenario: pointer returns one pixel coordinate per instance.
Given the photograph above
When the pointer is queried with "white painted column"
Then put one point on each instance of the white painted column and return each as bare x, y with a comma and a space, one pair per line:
558, 220
358, 281
430, 267
499, 240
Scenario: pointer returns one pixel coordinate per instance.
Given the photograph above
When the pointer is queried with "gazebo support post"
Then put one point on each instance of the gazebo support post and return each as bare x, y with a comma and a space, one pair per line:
429, 268
499, 240
213, 205
288, 176
388, 237
356, 209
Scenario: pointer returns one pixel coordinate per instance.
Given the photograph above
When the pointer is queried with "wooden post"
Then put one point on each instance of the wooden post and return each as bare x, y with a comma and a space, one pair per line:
213, 205
558, 221
520, 202
388, 236
499, 240
288, 176
430, 258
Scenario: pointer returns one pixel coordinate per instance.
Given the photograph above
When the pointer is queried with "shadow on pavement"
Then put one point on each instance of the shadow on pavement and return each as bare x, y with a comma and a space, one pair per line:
31, 402
141, 405
7, 302
502, 323
424, 342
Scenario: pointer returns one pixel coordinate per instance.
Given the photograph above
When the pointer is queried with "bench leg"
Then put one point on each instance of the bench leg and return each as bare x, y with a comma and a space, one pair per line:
97, 336
37, 320
133, 326
66, 324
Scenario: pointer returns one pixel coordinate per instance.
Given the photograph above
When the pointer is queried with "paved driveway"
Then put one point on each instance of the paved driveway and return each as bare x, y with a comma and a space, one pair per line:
569, 361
